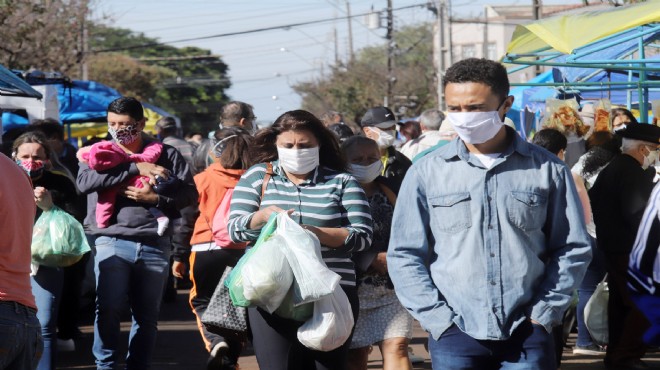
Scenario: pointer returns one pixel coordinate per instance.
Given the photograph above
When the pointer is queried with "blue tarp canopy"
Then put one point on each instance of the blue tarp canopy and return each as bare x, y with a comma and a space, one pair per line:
12, 85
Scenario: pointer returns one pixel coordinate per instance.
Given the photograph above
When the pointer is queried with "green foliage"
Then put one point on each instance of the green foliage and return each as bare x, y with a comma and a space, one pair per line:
189, 82
355, 87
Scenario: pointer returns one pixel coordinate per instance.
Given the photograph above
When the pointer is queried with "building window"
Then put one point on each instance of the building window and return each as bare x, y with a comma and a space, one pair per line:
468, 51
491, 50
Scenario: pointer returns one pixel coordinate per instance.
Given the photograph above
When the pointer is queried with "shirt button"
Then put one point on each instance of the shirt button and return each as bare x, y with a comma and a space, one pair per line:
490, 226
489, 199
492, 254
493, 283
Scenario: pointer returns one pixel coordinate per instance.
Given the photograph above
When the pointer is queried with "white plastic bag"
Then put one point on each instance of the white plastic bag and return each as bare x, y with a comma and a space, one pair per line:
267, 276
312, 278
595, 314
331, 324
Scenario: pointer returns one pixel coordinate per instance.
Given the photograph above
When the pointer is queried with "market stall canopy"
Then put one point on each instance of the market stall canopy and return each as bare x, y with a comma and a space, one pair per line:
566, 33
12, 85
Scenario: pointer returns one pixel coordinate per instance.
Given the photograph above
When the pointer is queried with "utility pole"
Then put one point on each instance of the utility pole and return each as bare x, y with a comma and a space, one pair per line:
441, 46
350, 32
537, 13
336, 47
84, 42
390, 52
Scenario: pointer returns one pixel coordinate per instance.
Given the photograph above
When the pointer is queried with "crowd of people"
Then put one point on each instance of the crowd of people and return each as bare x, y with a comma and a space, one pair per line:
454, 220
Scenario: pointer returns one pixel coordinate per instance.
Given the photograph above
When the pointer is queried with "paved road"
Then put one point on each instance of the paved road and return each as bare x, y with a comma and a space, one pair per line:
179, 346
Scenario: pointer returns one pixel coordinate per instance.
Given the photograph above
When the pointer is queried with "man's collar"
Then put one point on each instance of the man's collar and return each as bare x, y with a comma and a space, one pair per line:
456, 148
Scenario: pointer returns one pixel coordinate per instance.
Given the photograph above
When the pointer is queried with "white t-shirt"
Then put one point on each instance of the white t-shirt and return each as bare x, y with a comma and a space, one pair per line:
487, 159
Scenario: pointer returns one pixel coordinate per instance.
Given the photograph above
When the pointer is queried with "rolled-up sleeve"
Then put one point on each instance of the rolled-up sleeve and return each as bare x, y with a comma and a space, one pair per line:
411, 248
569, 253
358, 217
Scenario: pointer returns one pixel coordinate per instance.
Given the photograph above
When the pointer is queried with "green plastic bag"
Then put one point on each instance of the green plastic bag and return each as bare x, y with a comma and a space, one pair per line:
58, 239
300, 313
235, 280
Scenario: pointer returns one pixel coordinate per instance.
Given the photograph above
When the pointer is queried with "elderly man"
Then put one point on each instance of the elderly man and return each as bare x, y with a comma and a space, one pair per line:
491, 242
618, 198
430, 122
237, 113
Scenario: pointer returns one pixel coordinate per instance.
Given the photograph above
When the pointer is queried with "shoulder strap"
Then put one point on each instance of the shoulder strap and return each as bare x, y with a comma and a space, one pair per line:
264, 184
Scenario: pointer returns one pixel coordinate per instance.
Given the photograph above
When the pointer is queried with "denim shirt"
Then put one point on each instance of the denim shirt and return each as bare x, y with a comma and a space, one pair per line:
486, 249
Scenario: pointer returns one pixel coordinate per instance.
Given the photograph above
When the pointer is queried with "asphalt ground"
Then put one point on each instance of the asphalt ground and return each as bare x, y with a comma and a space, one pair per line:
179, 346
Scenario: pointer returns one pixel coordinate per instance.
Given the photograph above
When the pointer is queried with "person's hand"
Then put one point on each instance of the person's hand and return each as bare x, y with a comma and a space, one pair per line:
260, 217
43, 198
145, 194
380, 263
178, 269
151, 170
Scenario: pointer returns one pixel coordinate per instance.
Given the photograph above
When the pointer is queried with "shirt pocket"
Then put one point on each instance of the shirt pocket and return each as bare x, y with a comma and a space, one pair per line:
527, 209
451, 211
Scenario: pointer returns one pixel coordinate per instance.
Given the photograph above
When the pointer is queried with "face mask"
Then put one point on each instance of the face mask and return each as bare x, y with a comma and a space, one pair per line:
385, 137
619, 128
298, 161
476, 127
221, 145
33, 169
125, 135
366, 174
650, 159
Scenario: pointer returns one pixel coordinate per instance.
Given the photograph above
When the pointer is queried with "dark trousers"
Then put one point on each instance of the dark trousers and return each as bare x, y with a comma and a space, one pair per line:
67, 320
626, 322
206, 269
277, 347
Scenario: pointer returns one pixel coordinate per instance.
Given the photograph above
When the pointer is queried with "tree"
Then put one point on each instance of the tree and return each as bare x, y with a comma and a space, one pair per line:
44, 35
361, 84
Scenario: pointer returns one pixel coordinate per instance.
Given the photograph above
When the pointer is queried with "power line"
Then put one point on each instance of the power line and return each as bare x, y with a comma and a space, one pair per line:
287, 26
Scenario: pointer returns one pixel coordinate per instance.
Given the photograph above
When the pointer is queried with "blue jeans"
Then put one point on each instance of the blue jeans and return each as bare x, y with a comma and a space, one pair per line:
134, 272
595, 274
20, 337
530, 347
47, 290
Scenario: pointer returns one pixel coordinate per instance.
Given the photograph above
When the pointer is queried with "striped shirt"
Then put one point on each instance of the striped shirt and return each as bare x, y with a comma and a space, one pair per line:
644, 267
327, 199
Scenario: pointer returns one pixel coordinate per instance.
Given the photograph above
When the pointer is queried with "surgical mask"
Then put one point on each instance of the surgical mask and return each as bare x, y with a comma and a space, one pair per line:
650, 159
476, 127
366, 174
125, 135
298, 161
220, 146
619, 128
385, 137
34, 169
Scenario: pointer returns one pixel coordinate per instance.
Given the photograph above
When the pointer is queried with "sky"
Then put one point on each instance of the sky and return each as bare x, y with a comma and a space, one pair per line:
264, 65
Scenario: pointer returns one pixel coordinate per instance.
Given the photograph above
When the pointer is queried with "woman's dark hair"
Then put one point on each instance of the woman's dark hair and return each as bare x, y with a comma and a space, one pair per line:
31, 137
601, 154
127, 105
236, 150
265, 150
550, 139
616, 112
411, 130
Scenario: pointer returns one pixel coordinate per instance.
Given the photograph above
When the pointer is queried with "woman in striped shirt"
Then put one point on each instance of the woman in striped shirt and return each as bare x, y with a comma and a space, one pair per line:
309, 181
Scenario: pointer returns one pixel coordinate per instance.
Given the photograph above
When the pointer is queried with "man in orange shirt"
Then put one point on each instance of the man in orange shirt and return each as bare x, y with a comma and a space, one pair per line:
20, 334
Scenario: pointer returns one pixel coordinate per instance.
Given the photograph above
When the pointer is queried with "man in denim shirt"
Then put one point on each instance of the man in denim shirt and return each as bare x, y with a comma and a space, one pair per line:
491, 241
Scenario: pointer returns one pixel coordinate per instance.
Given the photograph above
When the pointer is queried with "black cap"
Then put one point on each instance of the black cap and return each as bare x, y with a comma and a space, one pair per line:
641, 131
166, 122
381, 117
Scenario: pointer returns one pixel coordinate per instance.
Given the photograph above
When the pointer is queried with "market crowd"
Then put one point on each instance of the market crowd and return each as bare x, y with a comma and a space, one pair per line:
496, 244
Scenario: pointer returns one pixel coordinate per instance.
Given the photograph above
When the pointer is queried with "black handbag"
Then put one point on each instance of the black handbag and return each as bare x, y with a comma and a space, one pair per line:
221, 315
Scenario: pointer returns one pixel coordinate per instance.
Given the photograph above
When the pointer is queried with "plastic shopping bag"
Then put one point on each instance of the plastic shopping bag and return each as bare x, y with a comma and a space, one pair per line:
312, 278
235, 280
289, 311
331, 324
58, 239
595, 314
267, 276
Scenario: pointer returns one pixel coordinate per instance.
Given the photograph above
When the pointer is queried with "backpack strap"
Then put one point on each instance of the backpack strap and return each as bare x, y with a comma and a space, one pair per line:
267, 176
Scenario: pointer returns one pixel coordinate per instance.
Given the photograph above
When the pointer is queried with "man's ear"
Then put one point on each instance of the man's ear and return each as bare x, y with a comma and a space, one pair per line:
508, 103
141, 124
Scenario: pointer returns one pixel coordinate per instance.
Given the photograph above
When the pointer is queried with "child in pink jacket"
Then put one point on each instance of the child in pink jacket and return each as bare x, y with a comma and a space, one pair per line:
107, 154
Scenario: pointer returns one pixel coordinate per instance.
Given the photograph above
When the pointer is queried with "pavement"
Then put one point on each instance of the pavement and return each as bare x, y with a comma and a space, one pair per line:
179, 346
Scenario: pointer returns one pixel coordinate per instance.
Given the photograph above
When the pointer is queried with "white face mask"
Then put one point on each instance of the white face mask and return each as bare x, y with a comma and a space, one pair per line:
650, 159
366, 174
385, 137
476, 127
298, 161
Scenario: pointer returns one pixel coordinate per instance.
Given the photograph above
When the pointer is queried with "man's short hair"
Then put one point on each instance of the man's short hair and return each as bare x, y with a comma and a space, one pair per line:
232, 113
431, 119
50, 127
167, 125
484, 71
127, 105
550, 139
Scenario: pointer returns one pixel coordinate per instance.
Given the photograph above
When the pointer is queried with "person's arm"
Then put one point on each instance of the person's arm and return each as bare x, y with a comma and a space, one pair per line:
186, 193
89, 181
410, 249
584, 197
568, 253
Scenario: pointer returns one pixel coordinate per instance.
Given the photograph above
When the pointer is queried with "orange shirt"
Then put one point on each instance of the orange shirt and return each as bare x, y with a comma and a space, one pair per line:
17, 210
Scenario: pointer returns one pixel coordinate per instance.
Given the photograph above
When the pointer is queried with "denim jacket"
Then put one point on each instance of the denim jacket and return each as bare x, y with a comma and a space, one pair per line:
486, 249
